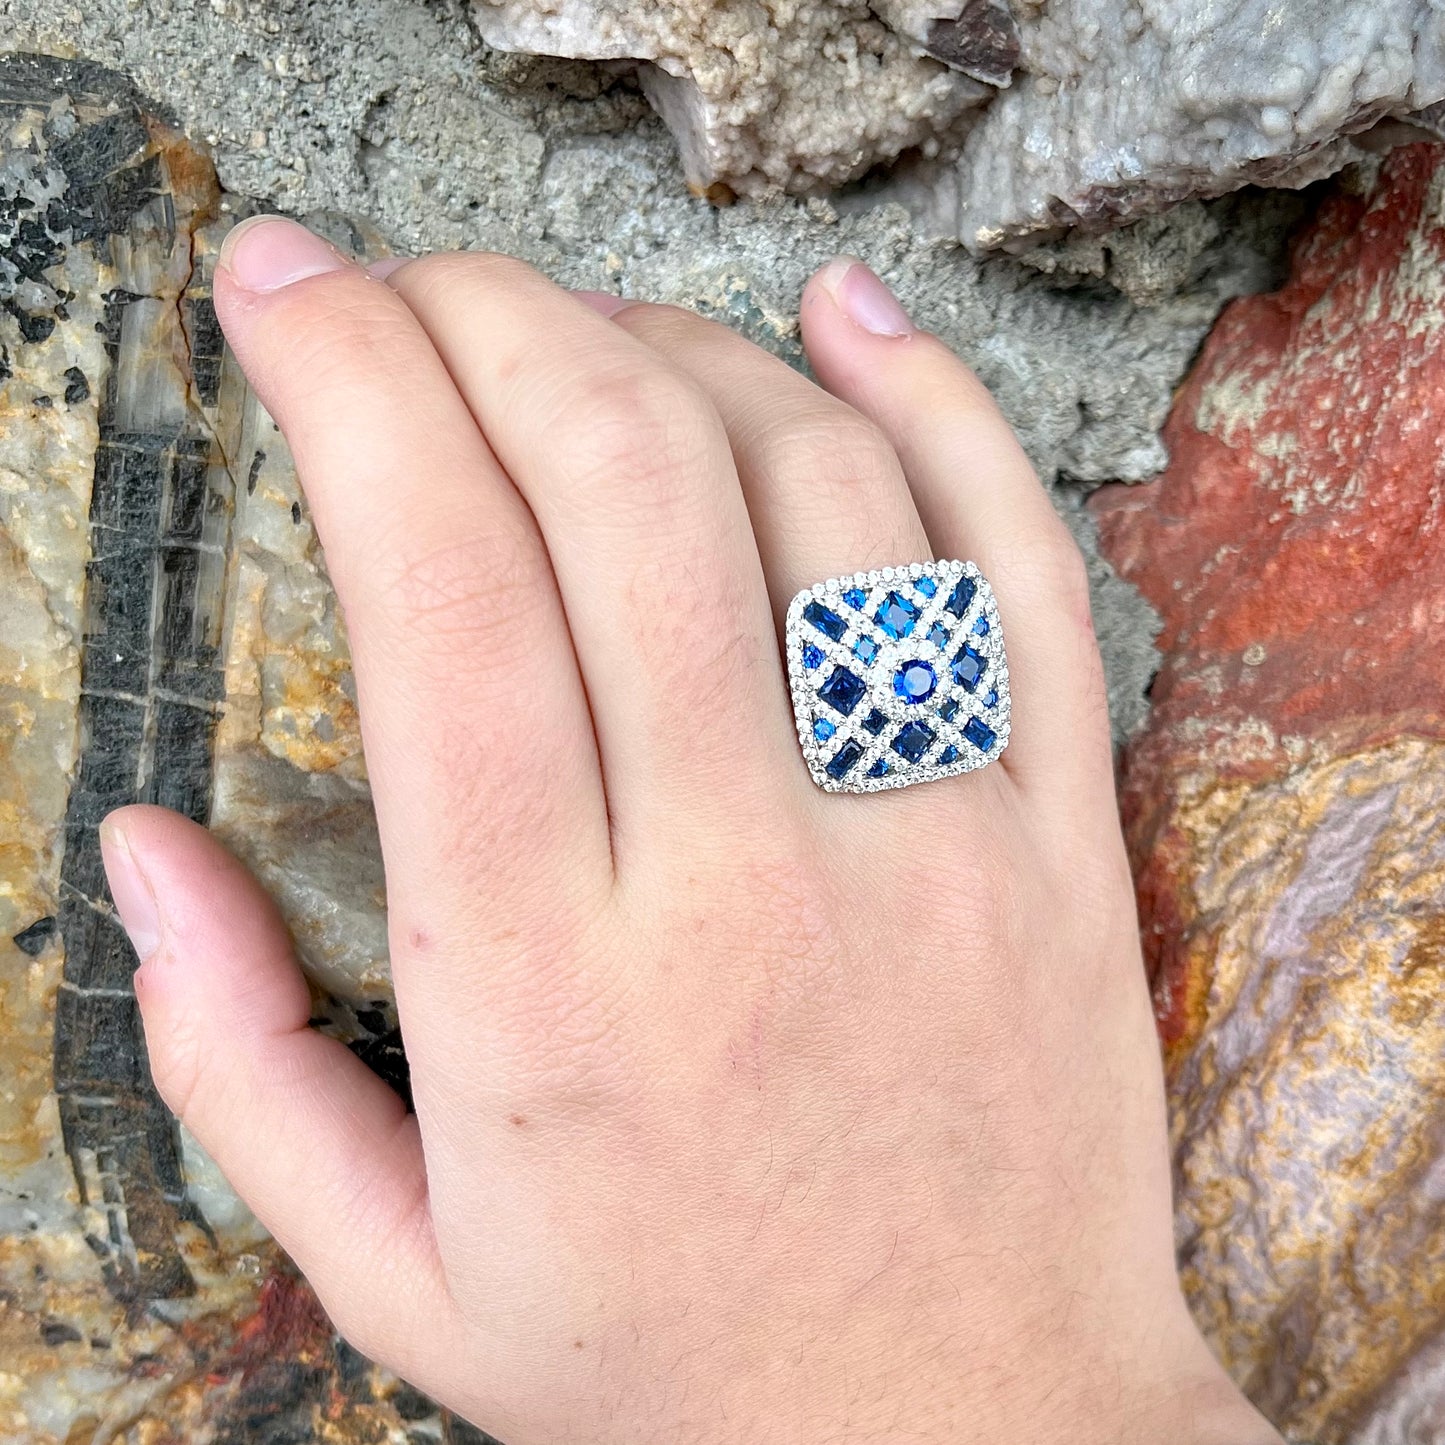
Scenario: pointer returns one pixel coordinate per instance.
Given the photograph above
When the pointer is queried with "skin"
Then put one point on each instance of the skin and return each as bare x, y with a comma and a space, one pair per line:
743, 1112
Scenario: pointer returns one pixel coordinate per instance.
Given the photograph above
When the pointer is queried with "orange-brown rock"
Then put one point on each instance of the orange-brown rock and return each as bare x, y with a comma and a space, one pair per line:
1285, 809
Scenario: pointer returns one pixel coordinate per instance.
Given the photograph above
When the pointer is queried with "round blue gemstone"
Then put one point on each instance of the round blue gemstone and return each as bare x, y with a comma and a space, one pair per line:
981, 626
812, 656
823, 729
915, 682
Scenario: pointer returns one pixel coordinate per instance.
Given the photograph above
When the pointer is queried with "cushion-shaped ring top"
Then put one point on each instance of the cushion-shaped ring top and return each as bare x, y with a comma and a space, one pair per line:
898, 676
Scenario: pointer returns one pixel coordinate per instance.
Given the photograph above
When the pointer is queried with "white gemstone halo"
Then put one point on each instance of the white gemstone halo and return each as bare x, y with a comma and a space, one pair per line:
898, 676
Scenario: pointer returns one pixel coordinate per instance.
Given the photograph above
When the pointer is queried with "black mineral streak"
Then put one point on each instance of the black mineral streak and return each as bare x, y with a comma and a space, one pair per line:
77, 388
456, 1431
31, 941
385, 1056
253, 476
150, 669
55, 1332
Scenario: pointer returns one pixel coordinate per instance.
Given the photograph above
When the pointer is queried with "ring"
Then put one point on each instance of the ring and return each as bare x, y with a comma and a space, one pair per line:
898, 676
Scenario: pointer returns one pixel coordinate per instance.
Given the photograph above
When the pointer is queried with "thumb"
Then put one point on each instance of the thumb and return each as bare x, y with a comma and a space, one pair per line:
317, 1145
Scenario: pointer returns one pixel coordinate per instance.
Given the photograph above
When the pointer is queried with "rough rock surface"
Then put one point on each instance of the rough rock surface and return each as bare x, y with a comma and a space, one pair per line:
139, 1301
393, 111
1088, 112
1286, 812
761, 93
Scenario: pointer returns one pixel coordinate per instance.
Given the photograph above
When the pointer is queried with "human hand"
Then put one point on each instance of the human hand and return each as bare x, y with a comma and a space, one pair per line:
743, 1112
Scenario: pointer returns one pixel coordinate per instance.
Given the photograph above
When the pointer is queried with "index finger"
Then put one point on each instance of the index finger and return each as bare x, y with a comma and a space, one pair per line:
473, 712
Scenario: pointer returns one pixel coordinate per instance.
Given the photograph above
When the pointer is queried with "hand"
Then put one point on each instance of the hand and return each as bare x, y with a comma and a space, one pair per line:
743, 1112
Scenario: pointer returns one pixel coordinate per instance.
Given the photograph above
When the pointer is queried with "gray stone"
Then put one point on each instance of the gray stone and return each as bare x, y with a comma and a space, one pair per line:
394, 111
1087, 112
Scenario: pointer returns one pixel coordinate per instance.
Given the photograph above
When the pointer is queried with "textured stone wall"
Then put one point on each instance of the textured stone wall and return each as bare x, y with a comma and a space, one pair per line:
1029, 117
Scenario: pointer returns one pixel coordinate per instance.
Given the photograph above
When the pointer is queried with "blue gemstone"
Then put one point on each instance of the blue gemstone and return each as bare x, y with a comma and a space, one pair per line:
947, 756
968, 668
992, 699
980, 734
825, 620
961, 596
843, 690
844, 759
949, 710
896, 616
878, 770
915, 682
913, 740
856, 598
927, 586
875, 722
823, 729
866, 649
938, 635
980, 627
812, 656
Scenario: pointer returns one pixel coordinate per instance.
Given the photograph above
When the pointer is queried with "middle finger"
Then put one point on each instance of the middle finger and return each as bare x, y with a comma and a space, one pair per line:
628, 470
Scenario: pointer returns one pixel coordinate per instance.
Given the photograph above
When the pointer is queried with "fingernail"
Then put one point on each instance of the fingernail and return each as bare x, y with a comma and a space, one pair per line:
863, 298
265, 253
603, 302
134, 901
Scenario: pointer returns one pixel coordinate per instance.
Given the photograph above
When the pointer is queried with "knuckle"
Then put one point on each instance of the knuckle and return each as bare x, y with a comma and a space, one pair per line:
645, 427
832, 453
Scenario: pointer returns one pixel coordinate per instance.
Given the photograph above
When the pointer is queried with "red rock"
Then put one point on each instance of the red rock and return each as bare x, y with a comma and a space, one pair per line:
1285, 809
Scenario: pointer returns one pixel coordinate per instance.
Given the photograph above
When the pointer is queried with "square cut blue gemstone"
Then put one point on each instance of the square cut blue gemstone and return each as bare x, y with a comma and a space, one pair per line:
825, 620
961, 596
927, 586
968, 668
875, 722
938, 635
878, 770
844, 690
913, 740
980, 628
823, 729
856, 598
980, 734
947, 756
896, 616
949, 710
866, 649
843, 759
812, 655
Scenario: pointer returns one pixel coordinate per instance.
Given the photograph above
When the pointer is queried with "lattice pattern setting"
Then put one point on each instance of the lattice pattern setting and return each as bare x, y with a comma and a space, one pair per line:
898, 676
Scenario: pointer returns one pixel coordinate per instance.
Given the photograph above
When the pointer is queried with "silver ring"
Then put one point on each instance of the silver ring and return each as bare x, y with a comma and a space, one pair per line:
898, 676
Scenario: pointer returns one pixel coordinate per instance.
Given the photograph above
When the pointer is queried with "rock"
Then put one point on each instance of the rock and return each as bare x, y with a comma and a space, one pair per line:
1088, 112
135, 1289
758, 94
1285, 809
390, 110
1123, 109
